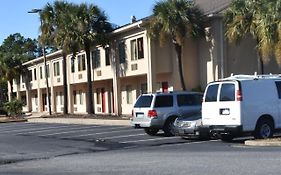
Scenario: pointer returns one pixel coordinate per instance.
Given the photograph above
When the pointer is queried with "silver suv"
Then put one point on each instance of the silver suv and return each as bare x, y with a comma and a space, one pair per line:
159, 110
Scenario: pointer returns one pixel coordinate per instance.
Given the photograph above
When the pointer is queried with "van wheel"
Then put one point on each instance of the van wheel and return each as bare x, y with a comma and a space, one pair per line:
151, 131
226, 137
264, 129
169, 128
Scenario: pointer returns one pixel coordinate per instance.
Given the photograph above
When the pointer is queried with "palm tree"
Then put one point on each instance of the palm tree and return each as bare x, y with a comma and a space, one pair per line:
93, 28
176, 20
58, 30
258, 18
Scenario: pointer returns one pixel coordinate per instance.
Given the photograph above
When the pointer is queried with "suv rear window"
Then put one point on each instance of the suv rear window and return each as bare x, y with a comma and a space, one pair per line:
227, 92
163, 101
212, 93
189, 99
144, 101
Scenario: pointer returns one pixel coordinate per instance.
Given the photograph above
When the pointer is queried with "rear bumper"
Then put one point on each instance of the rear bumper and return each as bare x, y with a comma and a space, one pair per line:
153, 123
235, 130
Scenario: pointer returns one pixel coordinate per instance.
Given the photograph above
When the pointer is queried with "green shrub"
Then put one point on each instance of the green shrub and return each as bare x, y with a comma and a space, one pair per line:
14, 107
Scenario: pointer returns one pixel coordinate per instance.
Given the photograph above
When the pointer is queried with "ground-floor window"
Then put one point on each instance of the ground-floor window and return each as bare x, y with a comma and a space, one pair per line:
129, 93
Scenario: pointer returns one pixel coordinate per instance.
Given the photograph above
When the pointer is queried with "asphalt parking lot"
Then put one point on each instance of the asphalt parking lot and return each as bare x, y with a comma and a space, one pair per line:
40, 148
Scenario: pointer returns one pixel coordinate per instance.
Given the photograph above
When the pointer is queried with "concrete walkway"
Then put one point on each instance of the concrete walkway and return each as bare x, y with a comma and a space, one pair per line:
84, 121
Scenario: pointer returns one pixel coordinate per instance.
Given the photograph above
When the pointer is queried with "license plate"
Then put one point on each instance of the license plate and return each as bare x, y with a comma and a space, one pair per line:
140, 115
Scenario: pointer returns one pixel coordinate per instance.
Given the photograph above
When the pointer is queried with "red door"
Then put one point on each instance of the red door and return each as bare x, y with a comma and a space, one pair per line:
164, 86
103, 103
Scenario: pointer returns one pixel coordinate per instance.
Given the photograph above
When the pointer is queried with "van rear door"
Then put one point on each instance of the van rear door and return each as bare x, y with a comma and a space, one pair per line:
221, 105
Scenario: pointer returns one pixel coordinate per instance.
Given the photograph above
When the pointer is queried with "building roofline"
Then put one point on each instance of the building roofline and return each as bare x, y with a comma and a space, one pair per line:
38, 59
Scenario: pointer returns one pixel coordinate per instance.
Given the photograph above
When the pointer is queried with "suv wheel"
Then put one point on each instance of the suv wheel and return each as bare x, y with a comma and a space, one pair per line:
264, 129
169, 128
151, 131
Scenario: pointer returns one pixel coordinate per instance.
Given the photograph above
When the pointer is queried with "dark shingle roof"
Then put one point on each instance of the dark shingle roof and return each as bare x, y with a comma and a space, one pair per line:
212, 6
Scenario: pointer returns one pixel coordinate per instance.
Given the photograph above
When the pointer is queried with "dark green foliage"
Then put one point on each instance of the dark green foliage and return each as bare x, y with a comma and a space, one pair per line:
14, 107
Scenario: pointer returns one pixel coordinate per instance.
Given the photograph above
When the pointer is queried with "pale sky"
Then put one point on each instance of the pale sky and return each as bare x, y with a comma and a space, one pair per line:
15, 19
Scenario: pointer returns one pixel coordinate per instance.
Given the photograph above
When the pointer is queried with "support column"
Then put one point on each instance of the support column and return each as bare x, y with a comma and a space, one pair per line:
28, 100
151, 74
39, 98
53, 100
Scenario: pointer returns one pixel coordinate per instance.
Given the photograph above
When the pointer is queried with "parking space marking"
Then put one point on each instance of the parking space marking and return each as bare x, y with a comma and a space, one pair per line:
145, 140
122, 136
34, 129
67, 132
190, 143
58, 129
99, 133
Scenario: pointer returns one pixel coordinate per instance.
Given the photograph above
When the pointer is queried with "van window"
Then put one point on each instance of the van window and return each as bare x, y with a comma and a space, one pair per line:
163, 101
144, 101
212, 93
278, 86
227, 92
189, 99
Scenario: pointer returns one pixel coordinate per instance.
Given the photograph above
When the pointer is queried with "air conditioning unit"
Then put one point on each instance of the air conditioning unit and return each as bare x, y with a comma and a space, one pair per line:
58, 80
134, 67
75, 109
99, 73
99, 109
80, 76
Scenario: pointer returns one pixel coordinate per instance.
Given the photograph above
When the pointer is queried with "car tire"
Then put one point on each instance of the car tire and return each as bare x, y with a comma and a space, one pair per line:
169, 128
226, 137
151, 131
264, 129
204, 136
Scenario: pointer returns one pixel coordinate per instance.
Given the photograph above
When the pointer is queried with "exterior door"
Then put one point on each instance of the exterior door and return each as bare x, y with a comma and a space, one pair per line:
103, 103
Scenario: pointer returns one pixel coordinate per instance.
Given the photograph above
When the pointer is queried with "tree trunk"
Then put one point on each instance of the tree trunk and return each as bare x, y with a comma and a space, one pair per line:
179, 53
90, 108
65, 94
47, 82
12, 89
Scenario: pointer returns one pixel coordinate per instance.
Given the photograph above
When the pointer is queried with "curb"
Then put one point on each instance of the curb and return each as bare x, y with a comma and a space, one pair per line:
261, 143
13, 121
81, 121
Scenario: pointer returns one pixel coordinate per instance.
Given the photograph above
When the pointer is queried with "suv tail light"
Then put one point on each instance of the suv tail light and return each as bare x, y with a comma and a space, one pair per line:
132, 113
239, 95
152, 113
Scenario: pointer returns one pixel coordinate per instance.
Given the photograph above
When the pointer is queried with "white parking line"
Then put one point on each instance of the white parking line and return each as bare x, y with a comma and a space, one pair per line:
123, 136
57, 129
66, 132
146, 140
106, 132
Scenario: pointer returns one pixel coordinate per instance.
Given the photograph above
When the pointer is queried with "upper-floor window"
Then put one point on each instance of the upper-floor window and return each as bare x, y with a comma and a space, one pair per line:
122, 52
137, 51
107, 56
41, 72
73, 64
96, 58
56, 68
35, 74
81, 62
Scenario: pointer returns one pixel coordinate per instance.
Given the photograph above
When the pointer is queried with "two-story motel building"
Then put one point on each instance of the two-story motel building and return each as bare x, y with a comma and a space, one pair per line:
133, 64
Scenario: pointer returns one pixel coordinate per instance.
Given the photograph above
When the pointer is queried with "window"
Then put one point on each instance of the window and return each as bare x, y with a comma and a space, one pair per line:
189, 99
278, 86
163, 101
96, 58
41, 72
72, 64
140, 48
36, 100
227, 92
98, 96
60, 99
56, 68
81, 97
107, 56
81, 62
212, 93
29, 74
137, 49
23, 99
144, 88
35, 76
122, 53
144, 101
129, 92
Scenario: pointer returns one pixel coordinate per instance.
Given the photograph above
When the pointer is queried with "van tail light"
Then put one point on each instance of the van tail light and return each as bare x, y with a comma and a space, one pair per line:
152, 113
239, 95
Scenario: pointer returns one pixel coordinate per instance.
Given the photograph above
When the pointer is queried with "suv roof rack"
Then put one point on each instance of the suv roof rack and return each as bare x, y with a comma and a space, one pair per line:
253, 77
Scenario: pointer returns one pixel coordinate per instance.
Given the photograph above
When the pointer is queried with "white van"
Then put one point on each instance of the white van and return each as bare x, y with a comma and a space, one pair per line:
242, 104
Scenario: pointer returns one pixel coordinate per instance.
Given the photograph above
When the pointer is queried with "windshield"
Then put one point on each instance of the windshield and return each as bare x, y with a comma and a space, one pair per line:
143, 101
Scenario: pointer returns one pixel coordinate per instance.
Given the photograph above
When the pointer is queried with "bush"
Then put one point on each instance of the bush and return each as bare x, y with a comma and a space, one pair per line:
14, 107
